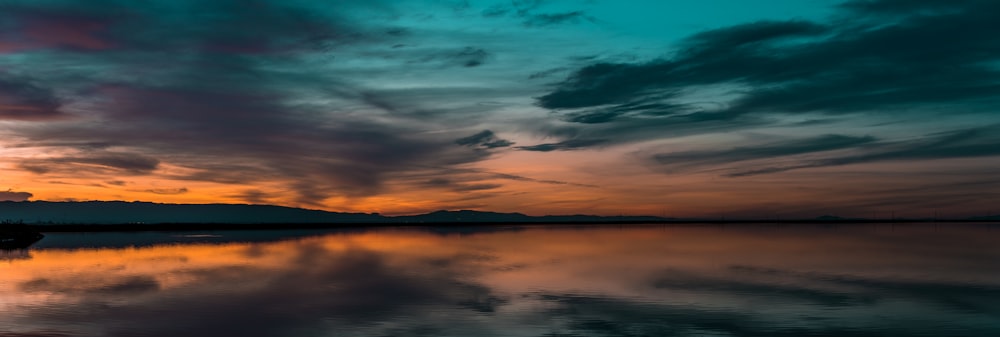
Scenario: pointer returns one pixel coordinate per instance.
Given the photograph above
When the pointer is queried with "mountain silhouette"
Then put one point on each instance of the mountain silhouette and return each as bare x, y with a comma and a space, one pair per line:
121, 212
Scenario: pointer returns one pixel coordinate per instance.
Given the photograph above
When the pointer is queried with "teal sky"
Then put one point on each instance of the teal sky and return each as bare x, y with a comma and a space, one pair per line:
685, 108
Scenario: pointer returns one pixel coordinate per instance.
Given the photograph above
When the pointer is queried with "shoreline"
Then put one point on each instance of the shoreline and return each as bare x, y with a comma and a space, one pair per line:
165, 227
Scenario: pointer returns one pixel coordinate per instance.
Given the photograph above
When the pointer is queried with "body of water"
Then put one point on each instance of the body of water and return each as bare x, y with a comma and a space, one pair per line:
807, 280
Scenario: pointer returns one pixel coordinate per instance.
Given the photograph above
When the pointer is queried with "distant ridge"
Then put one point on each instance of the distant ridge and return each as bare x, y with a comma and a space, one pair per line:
122, 212
139, 215
480, 216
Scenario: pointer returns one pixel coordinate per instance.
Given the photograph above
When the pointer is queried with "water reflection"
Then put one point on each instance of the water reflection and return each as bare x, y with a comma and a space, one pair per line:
518, 281
14, 254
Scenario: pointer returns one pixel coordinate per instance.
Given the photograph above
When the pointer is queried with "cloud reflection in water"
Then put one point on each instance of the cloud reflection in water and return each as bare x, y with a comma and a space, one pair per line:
590, 281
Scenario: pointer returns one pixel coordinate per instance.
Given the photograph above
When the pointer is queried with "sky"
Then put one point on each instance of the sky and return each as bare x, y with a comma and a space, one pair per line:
708, 108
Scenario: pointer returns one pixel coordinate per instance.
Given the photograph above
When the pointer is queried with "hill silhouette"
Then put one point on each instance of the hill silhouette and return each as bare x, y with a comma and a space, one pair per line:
121, 212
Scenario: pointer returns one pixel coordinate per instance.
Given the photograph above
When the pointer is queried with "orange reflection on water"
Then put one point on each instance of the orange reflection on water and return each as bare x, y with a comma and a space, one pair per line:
566, 256
384, 275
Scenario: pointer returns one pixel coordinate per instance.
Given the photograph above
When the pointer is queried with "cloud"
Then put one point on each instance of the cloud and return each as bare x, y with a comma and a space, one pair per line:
238, 95
528, 11
459, 187
471, 57
834, 150
452, 175
307, 102
28, 28
35, 334
253, 196
100, 161
548, 19
168, 191
785, 148
902, 57
266, 27
760, 32
572, 144
967, 143
21, 99
10, 195
485, 139
467, 57
263, 138
881, 7
542, 181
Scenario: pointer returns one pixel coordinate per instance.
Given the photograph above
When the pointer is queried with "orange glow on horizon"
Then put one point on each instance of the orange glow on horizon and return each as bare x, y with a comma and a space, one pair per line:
567, 183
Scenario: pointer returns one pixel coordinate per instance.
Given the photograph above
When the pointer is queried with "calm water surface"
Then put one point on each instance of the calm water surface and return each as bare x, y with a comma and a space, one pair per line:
865, 280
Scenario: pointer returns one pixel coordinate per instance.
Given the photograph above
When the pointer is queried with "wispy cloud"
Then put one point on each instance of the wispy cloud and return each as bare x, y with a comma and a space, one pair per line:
329, 105
899, 58
969, 143
22, 99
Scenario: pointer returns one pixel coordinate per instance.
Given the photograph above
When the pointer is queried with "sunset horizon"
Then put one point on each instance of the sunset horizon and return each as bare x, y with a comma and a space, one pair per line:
789, 109
499, 168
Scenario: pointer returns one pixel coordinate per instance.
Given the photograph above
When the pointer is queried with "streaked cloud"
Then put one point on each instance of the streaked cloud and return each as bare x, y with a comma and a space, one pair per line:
360, 104
10, 195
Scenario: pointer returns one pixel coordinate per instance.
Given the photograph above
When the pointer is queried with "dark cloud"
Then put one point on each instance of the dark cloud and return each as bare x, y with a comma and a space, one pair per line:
245, 83
929, 55
908, 6
459, 187
968, 143
615, 126
572, 144
471, 57
476, 187
22, 99
542, 181
10, 195
477, 174
785, 148
29, 26
485, 139
496, 11
237, 93
547, 73
168, 191
751, 33
548, 19
467, 57
528, 11
228, 27
636, 110
131, 163
253, 196
260, 135
125, 161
